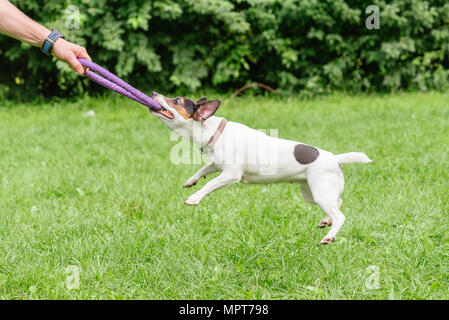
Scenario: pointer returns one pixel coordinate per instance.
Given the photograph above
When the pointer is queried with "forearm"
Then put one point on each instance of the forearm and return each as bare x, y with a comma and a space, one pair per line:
16, 24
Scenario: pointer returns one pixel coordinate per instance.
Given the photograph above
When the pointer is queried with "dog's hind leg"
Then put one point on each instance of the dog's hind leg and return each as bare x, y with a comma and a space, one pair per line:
327, 222
338, 220
308, 197
203, 172
326, 189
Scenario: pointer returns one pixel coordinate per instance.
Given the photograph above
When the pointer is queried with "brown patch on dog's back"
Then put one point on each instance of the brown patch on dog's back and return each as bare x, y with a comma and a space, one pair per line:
305, 154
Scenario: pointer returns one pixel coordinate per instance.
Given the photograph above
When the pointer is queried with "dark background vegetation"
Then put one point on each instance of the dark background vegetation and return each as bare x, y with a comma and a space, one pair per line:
302, 46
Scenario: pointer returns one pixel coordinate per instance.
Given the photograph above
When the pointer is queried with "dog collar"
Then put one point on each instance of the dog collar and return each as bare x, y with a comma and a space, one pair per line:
215, 136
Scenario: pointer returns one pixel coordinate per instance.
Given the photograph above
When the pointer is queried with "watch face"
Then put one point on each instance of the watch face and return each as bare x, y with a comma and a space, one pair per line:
54, 35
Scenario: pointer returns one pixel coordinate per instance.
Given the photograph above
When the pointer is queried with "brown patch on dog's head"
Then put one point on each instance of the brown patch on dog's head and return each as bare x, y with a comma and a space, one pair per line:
185, 107
305, 154
198, 111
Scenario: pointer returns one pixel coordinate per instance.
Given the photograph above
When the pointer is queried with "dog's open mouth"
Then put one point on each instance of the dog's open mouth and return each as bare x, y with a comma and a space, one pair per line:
166, 113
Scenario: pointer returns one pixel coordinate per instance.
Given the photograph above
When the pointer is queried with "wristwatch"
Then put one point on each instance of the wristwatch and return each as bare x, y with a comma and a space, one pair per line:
48, 44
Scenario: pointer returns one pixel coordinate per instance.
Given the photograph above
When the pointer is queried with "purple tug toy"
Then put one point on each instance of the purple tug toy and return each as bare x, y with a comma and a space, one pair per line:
111, 81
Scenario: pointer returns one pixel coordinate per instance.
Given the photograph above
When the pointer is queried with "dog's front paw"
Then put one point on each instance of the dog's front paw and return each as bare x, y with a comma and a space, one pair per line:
189, 184
327, 240
193, 200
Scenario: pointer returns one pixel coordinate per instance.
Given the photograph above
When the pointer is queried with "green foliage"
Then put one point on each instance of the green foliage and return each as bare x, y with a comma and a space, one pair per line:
309, 46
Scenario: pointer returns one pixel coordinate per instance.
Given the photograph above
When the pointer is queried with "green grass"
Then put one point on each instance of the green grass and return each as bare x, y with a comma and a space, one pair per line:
101, 194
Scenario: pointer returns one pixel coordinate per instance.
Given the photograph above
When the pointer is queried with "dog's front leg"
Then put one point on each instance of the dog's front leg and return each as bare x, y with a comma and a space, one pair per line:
203, 172
224, 179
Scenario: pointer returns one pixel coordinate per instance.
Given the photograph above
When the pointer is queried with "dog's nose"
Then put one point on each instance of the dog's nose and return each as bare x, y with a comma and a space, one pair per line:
153, 93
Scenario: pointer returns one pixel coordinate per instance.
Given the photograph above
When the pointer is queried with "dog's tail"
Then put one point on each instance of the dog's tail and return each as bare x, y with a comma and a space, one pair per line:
352, 157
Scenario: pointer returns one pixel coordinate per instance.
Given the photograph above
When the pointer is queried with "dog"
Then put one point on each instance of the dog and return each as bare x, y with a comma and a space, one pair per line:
240, 153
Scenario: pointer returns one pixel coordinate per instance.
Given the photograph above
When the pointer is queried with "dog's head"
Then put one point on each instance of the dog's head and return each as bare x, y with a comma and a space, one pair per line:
179, 112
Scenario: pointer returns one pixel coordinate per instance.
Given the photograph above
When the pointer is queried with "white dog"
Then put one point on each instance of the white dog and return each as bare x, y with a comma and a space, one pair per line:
246, 155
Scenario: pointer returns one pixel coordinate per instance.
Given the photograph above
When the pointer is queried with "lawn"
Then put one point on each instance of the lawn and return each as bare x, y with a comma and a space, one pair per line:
97, 199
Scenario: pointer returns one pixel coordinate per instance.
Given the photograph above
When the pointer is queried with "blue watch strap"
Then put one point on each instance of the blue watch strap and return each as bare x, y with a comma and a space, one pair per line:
48, 44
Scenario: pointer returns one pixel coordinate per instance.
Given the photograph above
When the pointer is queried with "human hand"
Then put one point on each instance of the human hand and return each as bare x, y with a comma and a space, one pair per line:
70, 52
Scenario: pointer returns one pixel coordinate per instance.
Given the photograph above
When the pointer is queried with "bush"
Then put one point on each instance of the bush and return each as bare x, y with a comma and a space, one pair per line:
308, 46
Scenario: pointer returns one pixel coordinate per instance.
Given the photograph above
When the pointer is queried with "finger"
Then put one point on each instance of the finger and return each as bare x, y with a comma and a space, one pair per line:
83, 54
75, 65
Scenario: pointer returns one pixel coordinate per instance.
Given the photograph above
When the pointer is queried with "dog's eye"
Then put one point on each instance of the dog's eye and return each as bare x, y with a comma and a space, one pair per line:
177, 101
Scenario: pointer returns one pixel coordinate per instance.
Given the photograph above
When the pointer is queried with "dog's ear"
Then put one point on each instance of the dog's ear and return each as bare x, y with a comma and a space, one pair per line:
206, 110
203, 100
